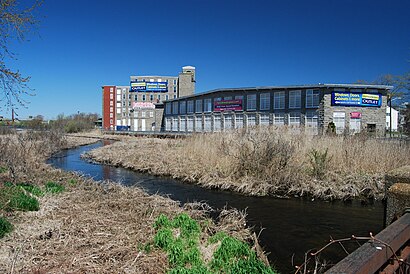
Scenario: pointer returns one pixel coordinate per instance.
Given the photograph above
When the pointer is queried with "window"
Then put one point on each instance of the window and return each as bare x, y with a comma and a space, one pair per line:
312, 98
294, 99
166, 97
265, 101
279, 100
119, 105
174, 123
207, 105
182, 124
190, 124
182, 107
239, 97
175, 107
294, 119
175, 96
264, 120
151, 114
339, 121
118, 91
143, 97
251, 102
118, 97
136, 98
227, 121
217, 123
228, 98
168, 124
111, 115
111, 96
311, 119
151, 97
239, 121
207, 123
251, 120
198, 123
198, 106
217, 99
175, 89
142, 114
175, 82
279, 119
190, 107
111, 103
159, 97
111, 109
168, 108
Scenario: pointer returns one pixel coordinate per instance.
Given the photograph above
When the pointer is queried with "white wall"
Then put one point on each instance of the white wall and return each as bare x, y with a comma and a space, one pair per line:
394, 119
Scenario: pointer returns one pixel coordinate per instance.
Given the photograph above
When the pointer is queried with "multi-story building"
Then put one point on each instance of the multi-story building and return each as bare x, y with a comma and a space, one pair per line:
324, 107
138, 107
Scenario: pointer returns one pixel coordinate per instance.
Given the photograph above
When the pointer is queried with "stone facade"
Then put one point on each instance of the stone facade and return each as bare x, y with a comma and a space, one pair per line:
186, 81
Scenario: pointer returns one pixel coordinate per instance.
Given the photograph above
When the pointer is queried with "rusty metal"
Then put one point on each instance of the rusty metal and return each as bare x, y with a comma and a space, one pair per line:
375, 254
395, 265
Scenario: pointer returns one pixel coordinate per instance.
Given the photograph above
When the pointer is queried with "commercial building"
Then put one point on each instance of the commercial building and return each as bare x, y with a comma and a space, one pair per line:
394, 119
139, 107
318, 108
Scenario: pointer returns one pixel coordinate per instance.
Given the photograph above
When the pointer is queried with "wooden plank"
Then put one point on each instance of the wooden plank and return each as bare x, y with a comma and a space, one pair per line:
371, 256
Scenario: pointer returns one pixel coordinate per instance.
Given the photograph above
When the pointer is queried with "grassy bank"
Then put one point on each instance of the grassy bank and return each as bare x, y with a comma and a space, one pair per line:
266, 161
76, 225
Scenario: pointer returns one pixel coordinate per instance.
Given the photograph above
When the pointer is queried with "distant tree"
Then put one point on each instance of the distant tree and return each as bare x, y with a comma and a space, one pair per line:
406, 126
16, 21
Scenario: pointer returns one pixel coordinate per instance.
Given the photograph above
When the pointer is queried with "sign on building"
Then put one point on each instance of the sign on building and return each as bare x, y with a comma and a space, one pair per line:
356, 99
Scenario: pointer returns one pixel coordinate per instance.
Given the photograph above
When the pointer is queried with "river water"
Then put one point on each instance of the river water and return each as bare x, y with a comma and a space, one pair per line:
291, 227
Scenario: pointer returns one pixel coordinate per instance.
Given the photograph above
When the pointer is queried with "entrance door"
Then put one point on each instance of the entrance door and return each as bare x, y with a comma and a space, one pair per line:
339, 121
355, 125
142, 124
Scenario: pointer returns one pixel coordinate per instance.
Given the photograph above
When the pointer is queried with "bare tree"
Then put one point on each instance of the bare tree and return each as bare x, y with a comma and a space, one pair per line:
16, 21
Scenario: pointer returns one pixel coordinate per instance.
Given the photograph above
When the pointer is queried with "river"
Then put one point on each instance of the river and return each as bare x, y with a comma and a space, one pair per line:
290, 226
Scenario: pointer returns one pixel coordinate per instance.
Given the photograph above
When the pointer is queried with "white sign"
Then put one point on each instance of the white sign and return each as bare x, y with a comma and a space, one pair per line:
143, 105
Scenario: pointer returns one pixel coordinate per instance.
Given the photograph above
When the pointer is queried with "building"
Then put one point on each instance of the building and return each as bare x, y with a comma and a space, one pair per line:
139, 107
337, 108
394, 119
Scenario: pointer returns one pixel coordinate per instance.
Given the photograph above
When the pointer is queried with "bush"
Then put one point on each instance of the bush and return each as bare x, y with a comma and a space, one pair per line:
5, 227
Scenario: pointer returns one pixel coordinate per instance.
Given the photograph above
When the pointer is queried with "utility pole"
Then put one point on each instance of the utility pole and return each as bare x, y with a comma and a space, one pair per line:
390, 125
12, 116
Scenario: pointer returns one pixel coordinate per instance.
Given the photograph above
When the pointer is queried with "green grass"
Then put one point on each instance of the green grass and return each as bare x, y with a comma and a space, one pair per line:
14, 198
53, 187
33, 189
2, 169
5, 227
180, 238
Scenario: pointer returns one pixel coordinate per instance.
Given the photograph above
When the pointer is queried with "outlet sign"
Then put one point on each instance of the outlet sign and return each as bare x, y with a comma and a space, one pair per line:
351, 99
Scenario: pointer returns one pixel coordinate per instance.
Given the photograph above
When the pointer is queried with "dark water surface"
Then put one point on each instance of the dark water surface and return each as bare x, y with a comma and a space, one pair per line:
291, 226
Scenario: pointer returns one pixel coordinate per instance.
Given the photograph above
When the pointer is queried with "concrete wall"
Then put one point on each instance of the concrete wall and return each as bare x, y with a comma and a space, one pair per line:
186, 85
397, 193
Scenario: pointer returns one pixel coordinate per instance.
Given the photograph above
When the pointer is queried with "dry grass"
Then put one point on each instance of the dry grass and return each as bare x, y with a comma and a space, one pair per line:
266, 161
95, 228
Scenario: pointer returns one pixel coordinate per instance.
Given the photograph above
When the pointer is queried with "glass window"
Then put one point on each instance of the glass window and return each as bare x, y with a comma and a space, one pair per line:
227, 121
190, 124
198, 123
279, 119
143, 114
239, 121
239, 97
182, 107
175, 107
265, 101
198, 106
279, 100
135, 97
190, 107
294, 99
151, 97
312, 98
294, 119
174, 123
311, 119
182, 124
166, 97
168, 108
159, 97
228, 98
264, 120
207, 105
144, 97
207, 123
217, 123
251, 102
251, 120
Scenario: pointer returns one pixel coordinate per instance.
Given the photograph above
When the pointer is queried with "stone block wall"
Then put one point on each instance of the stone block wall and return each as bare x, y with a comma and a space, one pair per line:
397, 193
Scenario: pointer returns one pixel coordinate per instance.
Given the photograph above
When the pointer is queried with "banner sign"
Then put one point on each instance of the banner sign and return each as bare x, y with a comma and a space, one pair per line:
355, 115
349, 99
143, 105
149, 86
226, 105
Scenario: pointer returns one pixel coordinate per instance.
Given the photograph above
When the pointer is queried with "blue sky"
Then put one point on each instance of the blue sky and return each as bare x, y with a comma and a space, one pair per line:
81, 45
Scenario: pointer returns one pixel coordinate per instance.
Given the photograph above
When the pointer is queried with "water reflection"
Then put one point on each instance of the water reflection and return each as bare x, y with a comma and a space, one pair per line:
291, 226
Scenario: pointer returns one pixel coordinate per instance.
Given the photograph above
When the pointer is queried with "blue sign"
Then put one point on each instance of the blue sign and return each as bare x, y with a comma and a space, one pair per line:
350, 99
149, 86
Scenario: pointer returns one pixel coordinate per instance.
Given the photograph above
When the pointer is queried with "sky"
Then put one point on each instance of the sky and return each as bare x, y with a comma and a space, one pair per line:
81, 45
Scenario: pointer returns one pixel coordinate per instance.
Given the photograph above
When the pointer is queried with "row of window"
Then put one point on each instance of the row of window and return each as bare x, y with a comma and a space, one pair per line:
205, 105
219, 122
174, 81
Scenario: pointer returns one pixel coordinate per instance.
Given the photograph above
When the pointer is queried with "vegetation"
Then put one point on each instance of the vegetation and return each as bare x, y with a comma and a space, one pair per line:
75, 123
267, 161
5, 227
181, 239
15, 198
53, 187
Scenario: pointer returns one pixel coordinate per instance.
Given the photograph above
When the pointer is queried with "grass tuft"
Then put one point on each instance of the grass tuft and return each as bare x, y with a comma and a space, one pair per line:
5, 227
53, 187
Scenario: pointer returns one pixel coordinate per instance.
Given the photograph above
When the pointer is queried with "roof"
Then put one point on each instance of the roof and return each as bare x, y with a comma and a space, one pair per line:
348, 86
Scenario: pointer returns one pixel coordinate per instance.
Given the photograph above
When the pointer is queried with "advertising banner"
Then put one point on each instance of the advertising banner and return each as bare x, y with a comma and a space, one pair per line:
356, 99
149, 86
226, 105
143, 105
355, 115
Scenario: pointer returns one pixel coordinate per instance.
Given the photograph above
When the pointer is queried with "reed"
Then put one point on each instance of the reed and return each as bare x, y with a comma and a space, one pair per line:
267, 161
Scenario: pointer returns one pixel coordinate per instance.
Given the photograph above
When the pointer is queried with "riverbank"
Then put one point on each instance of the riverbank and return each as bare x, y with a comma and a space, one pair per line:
266, 162
103, 228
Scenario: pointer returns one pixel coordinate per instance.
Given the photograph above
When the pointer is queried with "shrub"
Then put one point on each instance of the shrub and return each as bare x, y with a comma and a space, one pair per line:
5, 227
319, 162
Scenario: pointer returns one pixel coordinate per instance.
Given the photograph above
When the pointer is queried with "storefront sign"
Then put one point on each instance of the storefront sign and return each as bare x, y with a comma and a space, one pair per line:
149, 86
143, 105
356, 99
226, 105
355, 115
